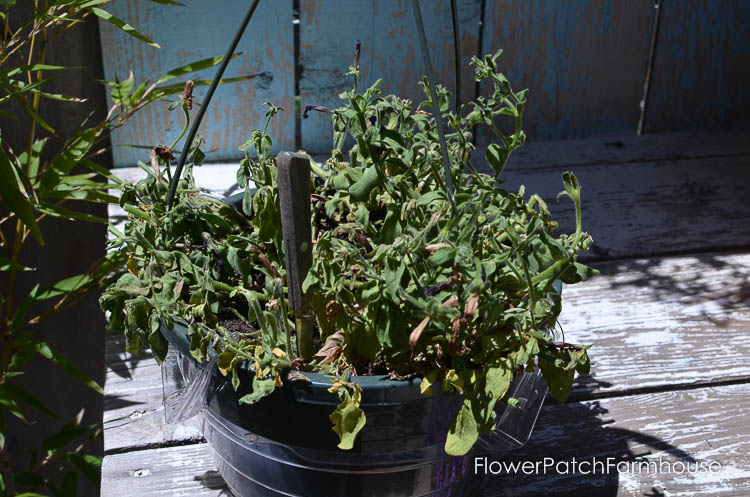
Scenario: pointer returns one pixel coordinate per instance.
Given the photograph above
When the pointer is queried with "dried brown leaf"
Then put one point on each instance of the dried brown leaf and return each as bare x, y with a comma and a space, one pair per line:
434, 247
414, 336
331, 349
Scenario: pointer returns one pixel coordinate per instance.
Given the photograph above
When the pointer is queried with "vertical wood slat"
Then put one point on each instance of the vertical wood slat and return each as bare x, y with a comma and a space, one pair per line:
583, 62
194, 32
294, 200
701, 73
390, 49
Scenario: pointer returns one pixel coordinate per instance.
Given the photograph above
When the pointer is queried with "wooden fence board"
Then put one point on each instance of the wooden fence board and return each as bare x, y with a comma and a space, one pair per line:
701, 74
583, 62
195, 32
390, 49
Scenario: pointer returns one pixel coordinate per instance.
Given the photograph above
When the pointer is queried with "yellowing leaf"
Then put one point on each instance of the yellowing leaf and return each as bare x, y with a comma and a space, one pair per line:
224, 361
348, 419
463, 431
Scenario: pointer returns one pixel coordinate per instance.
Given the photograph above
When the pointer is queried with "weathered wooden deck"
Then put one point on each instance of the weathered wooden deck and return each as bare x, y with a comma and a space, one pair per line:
669, 319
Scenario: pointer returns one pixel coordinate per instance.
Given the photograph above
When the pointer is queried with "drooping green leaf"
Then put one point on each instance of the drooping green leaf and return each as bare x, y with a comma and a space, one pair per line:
559, 379
463, 431
496, 157
261, 388
578, 272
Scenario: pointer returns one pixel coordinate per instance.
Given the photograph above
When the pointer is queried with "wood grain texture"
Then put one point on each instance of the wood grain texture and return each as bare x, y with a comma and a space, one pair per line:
630, 149
169, 472
133, 409
660, 322
189, 34
294, 201
647, 202
390, 49
701, 74
583, 62
696, 426
684, 426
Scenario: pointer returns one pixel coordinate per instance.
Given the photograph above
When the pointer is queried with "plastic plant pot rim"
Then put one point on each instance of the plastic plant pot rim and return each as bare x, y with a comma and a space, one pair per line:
178, 338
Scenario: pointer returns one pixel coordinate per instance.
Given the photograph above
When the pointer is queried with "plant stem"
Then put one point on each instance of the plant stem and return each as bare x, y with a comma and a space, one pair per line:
209, 94
457, 54
435, 103
4, 354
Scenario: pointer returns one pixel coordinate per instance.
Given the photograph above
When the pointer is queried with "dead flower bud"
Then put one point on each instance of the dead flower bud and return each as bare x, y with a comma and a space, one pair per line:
357, 49
164, 153
154, 162
332, 309
188, 95
316, 108
272, 305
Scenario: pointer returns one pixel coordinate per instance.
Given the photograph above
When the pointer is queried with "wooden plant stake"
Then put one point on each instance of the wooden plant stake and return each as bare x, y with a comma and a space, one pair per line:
294, 199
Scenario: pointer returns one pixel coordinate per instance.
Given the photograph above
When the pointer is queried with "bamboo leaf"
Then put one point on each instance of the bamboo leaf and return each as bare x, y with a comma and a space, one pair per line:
8, 265
57, 358
61, 212
166, 90
29, 398
17, 202
11, 406
192, 67
125, 27
89, 466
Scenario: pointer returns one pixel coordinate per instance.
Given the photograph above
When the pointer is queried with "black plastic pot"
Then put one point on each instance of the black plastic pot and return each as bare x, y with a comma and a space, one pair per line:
284, 444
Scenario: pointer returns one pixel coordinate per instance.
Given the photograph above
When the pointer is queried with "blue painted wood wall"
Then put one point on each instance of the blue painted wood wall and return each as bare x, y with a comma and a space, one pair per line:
584, 62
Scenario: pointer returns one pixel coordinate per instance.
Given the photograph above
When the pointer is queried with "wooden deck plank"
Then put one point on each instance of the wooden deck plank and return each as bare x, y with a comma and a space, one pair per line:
625, 149
661, 321
704, 425
186, 470
646, 208
134, 412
